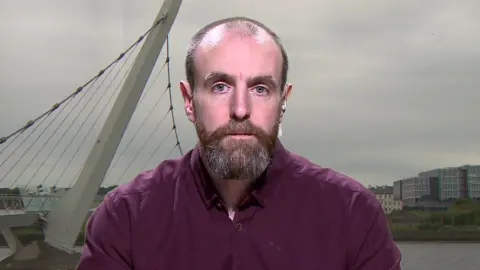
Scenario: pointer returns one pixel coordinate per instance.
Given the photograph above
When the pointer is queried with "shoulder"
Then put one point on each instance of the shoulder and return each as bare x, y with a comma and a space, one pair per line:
149, 186
338, 198
349, 205
329, 183
108, 234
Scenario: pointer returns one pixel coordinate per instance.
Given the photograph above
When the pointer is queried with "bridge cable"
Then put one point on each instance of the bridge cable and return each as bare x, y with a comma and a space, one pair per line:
60, 125
54, 107
33, 131
10, 142
51, 135
115, 161
177, 145
80, 89
170, 110
95, 122
32, 122
129, 54
43, 116
144, 167
55, 131
170, 95
81, 167
26, 150
118, 156
63, 135
144, 144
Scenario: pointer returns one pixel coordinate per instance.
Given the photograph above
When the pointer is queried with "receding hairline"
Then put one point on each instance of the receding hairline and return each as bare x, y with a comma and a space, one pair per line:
249, 27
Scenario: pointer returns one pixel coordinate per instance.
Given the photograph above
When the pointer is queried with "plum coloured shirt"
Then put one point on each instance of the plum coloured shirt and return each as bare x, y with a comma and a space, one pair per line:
298, 216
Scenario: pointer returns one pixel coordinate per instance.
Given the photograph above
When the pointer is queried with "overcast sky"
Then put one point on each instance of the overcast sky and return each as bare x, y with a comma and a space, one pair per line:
382, 89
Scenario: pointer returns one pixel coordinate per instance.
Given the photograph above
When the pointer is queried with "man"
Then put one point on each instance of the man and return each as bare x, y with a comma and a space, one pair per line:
239, 199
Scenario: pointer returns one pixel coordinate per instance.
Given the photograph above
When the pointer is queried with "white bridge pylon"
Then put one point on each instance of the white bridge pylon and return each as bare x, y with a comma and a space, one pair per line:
68, 213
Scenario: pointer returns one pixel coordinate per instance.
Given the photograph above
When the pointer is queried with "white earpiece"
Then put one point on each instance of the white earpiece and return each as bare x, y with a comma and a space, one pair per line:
280, 130
284, 106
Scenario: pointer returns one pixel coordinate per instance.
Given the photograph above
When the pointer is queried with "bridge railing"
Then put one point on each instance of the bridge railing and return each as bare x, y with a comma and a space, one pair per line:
11, 202
27, 203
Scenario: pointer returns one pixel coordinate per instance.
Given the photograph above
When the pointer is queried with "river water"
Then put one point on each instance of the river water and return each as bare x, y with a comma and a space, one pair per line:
429, 256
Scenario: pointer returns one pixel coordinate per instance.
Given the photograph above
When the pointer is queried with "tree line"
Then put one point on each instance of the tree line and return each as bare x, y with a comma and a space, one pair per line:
463, 212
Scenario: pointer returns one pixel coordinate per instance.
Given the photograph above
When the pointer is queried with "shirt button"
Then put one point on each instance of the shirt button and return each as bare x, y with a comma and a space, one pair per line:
238, 227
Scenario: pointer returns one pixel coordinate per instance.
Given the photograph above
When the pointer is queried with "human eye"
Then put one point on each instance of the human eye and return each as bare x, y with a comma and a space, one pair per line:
220, 87
260, 90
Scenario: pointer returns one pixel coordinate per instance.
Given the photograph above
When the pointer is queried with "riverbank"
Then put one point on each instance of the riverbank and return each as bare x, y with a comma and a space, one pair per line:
436, 236
399, 236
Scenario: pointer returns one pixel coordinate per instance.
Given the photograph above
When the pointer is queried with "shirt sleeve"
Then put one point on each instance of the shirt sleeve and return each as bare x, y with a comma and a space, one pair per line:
107, 237
371, 245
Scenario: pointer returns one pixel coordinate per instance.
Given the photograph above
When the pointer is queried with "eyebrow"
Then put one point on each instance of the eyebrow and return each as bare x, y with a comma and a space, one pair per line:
220, 76
217, 76
263, 79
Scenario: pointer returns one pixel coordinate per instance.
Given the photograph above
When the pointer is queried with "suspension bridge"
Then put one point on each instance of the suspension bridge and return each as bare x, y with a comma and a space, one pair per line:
114, 125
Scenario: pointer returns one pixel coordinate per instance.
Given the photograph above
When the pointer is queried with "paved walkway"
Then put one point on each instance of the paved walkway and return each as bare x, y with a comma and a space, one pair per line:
50, 259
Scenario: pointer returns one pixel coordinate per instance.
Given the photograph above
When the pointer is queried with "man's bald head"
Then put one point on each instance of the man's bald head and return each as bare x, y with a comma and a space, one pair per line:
245, 26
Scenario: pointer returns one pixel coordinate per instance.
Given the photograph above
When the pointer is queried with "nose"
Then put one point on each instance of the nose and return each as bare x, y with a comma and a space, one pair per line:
240, 107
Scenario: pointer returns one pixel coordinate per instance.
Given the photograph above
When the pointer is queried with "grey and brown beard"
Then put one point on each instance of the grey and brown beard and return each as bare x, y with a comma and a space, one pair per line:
236, 159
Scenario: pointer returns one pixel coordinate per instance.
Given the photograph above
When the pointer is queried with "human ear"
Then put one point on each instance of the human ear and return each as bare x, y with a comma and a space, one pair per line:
188, 100
286, 94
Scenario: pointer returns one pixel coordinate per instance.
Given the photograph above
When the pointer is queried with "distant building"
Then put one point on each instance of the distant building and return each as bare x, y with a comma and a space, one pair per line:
385, 195
438, 188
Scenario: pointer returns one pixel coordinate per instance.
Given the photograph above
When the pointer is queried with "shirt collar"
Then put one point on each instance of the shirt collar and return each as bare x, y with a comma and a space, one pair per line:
262, 187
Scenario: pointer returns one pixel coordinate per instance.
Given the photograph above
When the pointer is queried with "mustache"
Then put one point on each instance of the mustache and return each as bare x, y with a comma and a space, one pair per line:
239, 128
234, 127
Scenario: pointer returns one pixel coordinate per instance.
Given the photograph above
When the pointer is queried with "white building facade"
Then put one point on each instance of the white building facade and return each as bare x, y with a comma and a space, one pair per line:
387, 199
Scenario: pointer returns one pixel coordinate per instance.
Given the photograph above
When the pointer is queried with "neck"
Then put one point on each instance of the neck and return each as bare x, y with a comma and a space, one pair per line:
232, 191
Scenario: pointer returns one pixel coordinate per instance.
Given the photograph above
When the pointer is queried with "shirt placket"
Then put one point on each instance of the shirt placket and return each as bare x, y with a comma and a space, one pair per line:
239, 246
240, 238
